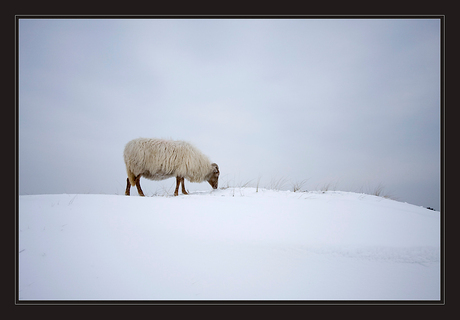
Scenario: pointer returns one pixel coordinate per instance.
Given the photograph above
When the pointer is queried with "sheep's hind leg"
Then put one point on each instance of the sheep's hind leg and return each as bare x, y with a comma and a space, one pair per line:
183, 186
138, 185
128, 187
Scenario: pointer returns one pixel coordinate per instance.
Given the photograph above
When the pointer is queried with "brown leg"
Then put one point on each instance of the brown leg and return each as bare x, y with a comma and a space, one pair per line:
176, 192
128, 187
183, 186
138, 185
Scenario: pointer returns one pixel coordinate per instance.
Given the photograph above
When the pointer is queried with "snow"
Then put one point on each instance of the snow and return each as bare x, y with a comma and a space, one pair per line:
230, 244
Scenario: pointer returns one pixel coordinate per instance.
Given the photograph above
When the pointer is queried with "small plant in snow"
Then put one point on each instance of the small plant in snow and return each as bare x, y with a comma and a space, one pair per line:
277, 184
296, 186
258, 181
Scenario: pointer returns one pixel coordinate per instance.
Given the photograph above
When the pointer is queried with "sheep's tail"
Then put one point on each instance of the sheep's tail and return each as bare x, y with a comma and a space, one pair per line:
131, 177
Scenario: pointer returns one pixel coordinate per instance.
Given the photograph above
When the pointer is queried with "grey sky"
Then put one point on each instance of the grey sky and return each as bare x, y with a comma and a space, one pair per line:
354, 103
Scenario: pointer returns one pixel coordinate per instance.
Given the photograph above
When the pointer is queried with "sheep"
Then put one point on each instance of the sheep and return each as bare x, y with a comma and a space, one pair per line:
159, 159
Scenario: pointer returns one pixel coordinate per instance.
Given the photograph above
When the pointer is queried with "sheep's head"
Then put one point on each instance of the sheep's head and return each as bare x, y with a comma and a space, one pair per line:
214, 180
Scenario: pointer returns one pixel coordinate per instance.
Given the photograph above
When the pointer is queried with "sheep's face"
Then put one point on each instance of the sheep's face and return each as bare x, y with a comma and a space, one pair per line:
214, 180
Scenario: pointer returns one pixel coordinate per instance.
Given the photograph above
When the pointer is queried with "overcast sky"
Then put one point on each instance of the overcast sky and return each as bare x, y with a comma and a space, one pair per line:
350, 103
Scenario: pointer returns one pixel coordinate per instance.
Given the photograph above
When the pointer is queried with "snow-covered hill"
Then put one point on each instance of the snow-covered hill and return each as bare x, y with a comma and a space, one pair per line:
227, 244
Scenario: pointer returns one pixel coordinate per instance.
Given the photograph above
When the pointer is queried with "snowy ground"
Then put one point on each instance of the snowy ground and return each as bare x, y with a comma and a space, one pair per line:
232, 244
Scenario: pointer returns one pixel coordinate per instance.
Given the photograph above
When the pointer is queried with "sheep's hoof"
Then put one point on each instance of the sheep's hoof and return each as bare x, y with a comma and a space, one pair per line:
176, 194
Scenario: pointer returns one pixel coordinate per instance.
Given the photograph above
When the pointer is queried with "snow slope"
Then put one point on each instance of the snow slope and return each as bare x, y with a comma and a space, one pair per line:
233, 244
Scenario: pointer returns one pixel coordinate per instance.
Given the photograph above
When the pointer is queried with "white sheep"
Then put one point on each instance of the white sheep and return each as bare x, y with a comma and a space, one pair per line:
158, 159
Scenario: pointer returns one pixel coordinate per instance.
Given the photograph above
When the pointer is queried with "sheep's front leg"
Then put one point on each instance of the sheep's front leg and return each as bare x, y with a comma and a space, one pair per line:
128, 187
176, 192
179, 180
138, 185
